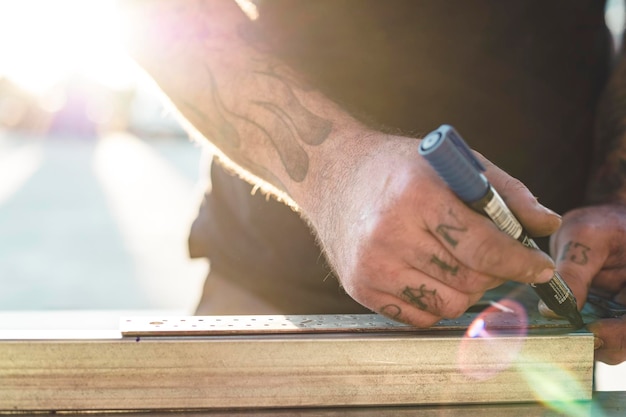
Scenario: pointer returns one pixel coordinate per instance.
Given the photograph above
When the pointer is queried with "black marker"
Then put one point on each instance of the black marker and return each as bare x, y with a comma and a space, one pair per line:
455, 163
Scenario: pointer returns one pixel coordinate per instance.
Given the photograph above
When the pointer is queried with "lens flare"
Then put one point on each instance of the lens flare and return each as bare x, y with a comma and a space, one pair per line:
492, 342
547, 382
477, 328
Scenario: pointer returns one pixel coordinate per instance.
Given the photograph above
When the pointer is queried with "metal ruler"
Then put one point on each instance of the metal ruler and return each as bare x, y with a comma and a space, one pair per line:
500, 316
321, 323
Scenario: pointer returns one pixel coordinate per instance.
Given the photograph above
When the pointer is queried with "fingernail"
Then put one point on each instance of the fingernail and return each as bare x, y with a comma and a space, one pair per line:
545, 276
597, 343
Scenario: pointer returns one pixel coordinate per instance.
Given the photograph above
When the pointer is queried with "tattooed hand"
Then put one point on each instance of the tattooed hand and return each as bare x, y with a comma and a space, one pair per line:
405, 246
590, 249
401, 243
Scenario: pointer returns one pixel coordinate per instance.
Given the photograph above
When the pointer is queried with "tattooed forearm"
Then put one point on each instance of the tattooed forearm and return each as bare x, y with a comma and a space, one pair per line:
285, 122
575, 252
227, 78
221, 132
213, 123
266, 175
281, 119
293, 157
286, 74
311, 129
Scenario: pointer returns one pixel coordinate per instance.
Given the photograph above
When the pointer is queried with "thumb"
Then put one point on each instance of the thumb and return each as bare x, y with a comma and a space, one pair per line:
537, 219
576, 280
577, 264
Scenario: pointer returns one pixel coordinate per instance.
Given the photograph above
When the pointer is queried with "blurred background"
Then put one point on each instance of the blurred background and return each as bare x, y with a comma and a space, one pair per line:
98, 182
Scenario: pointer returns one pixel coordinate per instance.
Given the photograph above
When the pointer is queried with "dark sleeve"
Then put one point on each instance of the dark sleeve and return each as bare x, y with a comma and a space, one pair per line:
265, 247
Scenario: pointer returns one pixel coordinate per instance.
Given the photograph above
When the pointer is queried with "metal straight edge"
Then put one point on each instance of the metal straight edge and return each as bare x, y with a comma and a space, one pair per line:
293, 370
501, 321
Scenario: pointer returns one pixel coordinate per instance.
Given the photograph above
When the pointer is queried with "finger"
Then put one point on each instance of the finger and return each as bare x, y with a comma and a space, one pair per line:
415, 289
580, 256
389, 302
577, 280
481, 246
396, 309
437, 299
537, 219
406, 312
612, 334
427, 294
430, 257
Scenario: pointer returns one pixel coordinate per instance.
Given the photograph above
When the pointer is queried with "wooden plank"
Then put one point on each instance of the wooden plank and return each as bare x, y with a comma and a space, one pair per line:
312, 370
603, 404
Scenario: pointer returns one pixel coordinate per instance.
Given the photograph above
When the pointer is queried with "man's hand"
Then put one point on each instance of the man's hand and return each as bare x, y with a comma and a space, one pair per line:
401, 243
590, 250
404, 245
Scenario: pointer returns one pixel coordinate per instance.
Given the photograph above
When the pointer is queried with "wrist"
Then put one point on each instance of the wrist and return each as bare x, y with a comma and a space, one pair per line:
352, 186
334, 169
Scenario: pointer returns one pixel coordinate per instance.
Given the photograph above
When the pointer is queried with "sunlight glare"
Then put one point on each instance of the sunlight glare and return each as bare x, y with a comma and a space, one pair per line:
143, 190
554, 387
491, 343
43, 42
17, 165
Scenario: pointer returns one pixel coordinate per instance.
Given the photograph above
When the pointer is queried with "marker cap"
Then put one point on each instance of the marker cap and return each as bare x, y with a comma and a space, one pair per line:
455, 163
